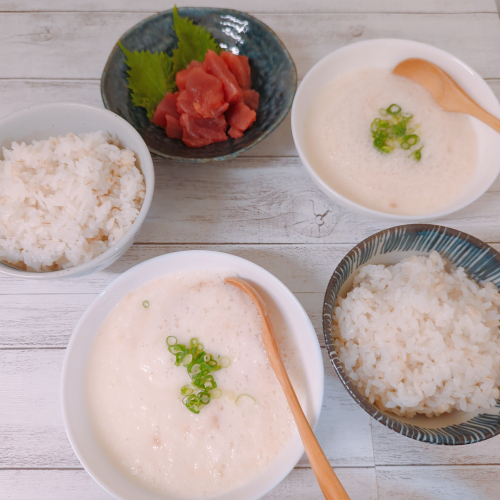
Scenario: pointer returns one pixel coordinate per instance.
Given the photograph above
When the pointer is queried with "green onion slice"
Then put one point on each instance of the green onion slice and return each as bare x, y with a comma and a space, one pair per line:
200, 366
225, 362
186, 390
216, 393
393, 109
145, 304
244, 399
187, 359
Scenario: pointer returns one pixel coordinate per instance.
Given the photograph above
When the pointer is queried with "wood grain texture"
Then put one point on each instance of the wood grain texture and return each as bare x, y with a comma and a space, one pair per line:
40, 320
262, 207
298, 6
32, 434
76, 45
390, 448
271, 200
78, 485
439, 483
302, 268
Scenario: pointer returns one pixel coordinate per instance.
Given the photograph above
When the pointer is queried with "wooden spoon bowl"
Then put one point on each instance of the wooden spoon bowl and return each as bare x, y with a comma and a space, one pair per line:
447, 93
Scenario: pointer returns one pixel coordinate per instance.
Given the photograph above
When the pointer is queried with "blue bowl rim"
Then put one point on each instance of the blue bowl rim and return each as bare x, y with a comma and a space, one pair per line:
266, 133
408, 430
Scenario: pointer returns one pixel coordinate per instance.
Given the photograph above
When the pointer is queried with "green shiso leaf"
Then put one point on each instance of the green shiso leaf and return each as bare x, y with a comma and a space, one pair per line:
152, 75
149, 77
194, 42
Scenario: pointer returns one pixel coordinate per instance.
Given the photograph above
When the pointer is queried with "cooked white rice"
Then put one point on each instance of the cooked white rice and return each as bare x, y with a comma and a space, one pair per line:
66, 200
418, 338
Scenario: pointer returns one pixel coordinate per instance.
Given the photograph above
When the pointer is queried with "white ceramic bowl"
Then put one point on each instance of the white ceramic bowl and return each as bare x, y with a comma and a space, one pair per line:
281, 303
53, 119
386, 53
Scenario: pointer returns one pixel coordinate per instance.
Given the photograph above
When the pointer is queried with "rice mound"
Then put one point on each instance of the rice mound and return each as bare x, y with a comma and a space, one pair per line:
66, 200
416, 337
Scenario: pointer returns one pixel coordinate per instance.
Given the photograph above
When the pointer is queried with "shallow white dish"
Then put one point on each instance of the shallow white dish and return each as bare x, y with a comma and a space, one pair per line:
46, 120
281, 302
386, 53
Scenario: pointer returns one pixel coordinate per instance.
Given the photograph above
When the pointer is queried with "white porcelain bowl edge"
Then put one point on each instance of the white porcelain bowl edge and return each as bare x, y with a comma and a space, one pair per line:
386, 53
282, 303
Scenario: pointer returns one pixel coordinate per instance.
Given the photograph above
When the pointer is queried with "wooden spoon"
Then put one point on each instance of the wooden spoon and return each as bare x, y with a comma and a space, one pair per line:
444, 89
328, 481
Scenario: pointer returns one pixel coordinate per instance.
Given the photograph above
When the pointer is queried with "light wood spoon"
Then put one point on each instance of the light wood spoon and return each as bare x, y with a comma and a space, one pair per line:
447, 93
328, 481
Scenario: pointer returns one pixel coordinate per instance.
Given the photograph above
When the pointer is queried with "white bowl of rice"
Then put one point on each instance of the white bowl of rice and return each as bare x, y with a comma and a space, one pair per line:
411, 322
76, 184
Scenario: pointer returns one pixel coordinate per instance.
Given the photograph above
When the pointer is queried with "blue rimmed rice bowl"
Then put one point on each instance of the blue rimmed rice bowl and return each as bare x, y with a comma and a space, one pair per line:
481, 263
273, 75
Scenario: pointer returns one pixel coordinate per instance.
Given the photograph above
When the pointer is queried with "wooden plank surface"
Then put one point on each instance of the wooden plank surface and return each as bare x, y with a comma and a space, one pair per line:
78, 485
262, 207
302, 268
438, 483
76, 45
297, 6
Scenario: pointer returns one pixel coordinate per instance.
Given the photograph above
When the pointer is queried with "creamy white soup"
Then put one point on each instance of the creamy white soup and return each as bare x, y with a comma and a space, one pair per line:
340, 145
133, 388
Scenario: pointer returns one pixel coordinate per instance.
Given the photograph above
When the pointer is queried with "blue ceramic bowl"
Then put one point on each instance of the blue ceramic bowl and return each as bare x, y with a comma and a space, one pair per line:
481, 263
273, 75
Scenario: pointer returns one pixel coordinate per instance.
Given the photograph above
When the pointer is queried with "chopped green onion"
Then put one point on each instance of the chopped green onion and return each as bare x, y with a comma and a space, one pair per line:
416, 155
199, 365
216, 393
388, 133
145, 304
230, 395
393, 109
204, 397
244, 399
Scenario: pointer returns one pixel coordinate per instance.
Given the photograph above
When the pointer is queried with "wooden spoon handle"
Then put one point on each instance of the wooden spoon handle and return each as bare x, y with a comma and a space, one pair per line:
462, 102
478, 112
327, 479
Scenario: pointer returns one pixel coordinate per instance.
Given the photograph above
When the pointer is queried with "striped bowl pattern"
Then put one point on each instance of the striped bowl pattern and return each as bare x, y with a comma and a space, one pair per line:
481, 263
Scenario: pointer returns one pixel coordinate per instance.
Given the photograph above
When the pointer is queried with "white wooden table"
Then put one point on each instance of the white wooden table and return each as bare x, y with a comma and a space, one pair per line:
261, 206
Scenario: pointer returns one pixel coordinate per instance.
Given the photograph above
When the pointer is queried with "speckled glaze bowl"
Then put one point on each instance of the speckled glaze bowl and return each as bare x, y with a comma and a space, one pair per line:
273, 75
481, 263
